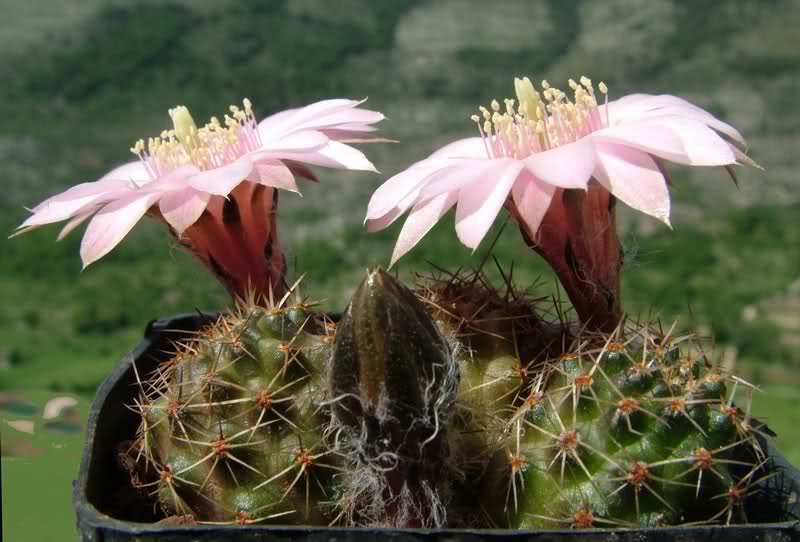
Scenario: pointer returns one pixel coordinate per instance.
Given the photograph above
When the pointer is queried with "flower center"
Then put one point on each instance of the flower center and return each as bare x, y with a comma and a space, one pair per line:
537, 122
210, 146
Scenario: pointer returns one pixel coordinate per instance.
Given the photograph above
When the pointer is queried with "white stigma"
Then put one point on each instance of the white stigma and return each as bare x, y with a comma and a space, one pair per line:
185, 128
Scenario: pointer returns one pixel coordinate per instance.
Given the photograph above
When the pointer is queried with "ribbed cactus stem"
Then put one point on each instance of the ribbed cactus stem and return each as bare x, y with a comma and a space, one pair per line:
231, 428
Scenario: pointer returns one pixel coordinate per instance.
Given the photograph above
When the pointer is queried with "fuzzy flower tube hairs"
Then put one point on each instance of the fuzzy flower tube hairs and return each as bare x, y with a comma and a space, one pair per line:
215, 186
558, 164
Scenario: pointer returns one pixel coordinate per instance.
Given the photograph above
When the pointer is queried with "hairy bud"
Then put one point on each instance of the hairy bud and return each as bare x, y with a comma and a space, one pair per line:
393, 383
390, 362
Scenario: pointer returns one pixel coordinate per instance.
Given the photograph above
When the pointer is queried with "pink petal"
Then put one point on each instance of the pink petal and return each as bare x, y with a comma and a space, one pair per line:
289, 120
471, 147
322, 108
222, 180
635, 178
420, 221
305, 141
74, 223
86, 189
182, 208
465, 172
479, 204
633, 106
680, 140
277, 175
174, 180
311, 157
625, 107
332, 155
346, 157
380, 221
76, 200
351, 126
699, 116
532, 198
646, 136
704, 147
111, 224
270, 127
353, 117
385, 220
398, 187
132, 171
567, 166
642, 106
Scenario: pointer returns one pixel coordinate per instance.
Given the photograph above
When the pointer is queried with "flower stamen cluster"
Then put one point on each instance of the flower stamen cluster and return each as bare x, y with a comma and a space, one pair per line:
537, 122
208, 147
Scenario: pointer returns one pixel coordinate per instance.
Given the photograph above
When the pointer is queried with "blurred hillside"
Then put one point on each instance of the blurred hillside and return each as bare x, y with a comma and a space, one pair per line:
84, 79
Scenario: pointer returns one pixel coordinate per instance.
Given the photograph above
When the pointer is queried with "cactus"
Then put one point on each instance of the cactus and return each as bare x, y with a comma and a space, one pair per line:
564, 427
458, 406
231, 427
633, 428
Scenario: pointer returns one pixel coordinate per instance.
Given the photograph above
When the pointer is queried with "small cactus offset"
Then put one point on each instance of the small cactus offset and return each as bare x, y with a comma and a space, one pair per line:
500, 343
499, 338
633, 428
231, 427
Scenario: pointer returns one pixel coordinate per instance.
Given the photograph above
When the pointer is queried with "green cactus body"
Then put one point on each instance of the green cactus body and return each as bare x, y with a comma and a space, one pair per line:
457, 406
500, 345
232, 426
634, 432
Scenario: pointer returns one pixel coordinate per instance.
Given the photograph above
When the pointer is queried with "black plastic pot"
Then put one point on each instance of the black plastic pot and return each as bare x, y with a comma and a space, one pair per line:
109, 510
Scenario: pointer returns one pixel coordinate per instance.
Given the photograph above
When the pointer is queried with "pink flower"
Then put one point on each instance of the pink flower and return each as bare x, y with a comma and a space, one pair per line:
530, 149
214, 186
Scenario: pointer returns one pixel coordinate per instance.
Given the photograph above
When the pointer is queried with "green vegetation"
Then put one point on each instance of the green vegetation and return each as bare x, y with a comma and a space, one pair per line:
39, 460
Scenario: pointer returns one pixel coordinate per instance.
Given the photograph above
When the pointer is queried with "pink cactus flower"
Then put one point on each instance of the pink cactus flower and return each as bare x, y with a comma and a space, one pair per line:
214, 186
536, 153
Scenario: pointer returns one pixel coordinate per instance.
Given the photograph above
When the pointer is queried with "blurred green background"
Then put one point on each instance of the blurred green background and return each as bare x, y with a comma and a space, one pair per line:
84, 79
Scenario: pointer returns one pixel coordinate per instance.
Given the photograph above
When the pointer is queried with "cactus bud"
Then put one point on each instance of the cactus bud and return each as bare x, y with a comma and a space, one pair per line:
390, 362
393, 383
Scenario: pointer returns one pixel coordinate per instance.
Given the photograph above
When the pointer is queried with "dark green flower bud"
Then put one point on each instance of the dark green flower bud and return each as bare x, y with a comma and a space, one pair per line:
391, 366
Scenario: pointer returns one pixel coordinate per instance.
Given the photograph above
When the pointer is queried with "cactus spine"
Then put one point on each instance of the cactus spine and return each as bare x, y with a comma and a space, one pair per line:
457, 406
231, 427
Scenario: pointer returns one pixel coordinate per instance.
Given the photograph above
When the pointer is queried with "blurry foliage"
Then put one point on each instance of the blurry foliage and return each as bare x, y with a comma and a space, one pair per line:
123, 45
75, 102
708, 276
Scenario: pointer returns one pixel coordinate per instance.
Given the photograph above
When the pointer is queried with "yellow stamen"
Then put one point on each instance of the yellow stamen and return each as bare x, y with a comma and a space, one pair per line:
204, 147
540, 121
